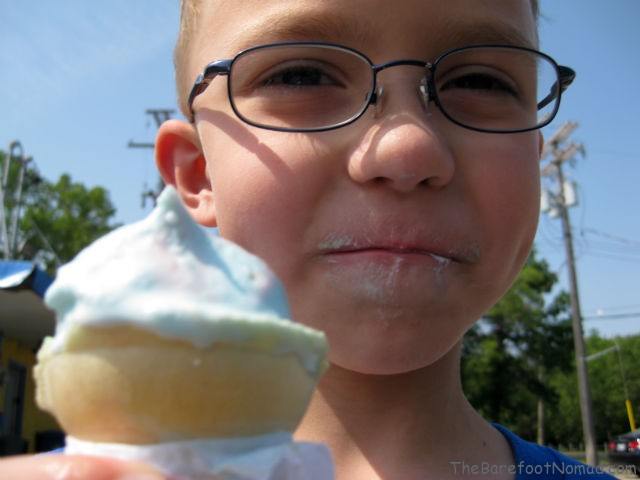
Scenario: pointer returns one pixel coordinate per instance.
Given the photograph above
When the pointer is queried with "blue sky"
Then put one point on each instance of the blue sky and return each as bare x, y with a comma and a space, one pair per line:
77, 78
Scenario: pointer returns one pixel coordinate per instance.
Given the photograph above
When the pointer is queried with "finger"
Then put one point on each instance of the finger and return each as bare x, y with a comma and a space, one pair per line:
74, 467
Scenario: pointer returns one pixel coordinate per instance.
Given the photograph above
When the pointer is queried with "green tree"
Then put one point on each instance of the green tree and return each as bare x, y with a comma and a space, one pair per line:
607, 390
510, 354
57, 219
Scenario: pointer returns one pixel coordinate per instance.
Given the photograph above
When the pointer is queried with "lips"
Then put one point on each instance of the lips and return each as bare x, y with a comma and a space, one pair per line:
392, 251
389, 256
442, 251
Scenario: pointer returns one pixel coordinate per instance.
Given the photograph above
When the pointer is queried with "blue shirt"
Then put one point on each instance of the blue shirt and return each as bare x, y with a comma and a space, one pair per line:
533, 461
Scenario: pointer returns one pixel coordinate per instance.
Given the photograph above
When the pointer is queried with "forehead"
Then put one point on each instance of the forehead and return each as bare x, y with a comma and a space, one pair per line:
412, 28
417, 27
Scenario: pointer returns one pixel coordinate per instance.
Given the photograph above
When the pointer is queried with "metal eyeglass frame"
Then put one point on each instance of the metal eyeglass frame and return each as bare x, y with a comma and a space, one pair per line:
565, 75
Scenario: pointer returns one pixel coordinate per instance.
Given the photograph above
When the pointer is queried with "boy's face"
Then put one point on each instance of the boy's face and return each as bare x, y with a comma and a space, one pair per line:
393, 234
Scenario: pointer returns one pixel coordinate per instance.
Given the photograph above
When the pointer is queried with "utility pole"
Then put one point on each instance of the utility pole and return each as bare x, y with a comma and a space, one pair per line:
159, 115
559, 203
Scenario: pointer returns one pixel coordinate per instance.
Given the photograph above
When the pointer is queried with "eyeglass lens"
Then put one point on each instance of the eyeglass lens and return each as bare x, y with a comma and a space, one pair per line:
303, 87
300, 87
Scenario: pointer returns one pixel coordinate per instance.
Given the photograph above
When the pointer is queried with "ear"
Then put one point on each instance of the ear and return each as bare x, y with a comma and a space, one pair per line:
181, 163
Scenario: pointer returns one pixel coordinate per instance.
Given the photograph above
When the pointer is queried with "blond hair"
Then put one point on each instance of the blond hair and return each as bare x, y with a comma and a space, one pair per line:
189, 13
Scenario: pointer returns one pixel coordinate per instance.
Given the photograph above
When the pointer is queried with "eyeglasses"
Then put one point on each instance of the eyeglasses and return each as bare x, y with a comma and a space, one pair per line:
315, 86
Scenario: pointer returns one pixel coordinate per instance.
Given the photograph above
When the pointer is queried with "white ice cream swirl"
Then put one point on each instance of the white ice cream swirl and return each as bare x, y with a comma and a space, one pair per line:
169, 275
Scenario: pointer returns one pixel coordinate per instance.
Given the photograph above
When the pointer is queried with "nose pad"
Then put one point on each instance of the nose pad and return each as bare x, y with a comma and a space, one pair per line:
379, 107
423, 93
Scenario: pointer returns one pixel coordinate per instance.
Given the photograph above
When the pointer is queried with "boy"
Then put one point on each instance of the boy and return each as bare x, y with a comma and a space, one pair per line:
396, 199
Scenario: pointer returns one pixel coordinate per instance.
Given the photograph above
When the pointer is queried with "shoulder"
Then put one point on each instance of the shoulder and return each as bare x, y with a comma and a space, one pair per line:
533, 461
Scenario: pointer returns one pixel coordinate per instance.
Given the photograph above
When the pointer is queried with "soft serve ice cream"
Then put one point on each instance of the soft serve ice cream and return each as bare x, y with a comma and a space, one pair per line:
175, 346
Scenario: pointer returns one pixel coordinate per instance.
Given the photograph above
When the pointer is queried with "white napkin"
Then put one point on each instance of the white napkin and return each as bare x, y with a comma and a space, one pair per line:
272, 456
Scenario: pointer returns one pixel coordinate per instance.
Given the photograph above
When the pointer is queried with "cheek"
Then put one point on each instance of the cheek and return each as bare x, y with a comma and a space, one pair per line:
512, 196
264, 192
505, 184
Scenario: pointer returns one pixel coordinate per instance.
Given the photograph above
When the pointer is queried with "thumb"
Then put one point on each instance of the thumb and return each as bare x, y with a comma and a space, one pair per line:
74, 467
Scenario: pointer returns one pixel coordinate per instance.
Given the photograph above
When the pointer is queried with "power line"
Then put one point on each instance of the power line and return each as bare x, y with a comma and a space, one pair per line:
616, 238
613, 316
619, 248
611, 256
614, 247
617, 154
619, 307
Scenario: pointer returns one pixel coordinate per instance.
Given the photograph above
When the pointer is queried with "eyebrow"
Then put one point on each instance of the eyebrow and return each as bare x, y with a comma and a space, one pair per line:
460, 34
306, 26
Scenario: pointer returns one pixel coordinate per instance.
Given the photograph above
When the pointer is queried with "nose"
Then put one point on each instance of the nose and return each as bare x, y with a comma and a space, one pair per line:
404, 153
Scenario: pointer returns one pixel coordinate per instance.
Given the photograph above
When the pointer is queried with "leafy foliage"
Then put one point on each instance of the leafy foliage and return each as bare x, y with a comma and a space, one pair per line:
509, 355
521, 353
607, 391
57, 219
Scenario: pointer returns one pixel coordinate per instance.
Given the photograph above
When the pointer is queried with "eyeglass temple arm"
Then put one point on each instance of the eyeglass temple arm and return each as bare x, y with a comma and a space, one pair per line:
566, 76
211, 71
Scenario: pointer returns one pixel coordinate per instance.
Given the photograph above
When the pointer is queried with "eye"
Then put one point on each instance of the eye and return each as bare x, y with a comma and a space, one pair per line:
298, 76
484, 82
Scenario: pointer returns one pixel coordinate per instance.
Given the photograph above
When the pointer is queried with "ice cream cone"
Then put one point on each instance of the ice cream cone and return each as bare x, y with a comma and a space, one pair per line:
125, 385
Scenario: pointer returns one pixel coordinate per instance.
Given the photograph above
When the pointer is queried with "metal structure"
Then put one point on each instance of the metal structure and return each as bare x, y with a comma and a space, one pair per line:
9, 226
159, 115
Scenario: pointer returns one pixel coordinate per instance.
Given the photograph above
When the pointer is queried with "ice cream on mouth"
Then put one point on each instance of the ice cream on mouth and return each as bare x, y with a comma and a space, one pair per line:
166, 332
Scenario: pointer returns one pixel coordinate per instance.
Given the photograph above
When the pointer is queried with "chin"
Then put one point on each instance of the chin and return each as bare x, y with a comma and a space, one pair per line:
393, 356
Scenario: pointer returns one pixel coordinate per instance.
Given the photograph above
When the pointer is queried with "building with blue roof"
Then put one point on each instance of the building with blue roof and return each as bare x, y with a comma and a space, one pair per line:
24, 322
